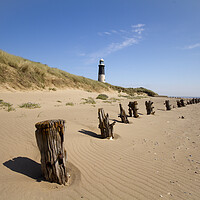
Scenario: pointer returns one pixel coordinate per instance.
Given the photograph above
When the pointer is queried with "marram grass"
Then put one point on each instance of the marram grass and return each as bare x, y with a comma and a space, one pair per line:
20, 73
6, 106
30, 105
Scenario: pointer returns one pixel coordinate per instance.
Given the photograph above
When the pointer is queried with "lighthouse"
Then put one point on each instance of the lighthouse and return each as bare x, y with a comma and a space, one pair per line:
101, 75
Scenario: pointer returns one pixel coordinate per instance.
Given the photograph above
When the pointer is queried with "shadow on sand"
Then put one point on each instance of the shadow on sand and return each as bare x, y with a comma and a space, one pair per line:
25, 166
115, 120
90, 133
161, 109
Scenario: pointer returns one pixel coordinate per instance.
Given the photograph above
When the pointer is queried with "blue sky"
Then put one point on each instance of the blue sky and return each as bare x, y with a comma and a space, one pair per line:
145, 43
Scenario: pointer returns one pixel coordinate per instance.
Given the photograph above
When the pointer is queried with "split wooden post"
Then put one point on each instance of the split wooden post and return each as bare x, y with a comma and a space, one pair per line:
168, 106
123, 115
104, 125
149, 107
133, 107
50, 140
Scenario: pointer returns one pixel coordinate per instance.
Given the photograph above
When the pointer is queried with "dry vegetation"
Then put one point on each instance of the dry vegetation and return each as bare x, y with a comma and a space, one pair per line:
20, 73
6, 106
30, 105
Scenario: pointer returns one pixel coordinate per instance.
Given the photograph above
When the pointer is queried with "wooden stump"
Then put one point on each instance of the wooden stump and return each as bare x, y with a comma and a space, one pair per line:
179, 104
123, 115
130, 112
149, 107
182, 102
196, 100
50, 140
168, 106
188, 102
133, 108
192, 101
104, 125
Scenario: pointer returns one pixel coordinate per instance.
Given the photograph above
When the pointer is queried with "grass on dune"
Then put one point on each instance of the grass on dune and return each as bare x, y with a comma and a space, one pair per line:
6, 106
69, 104
20, 73
30, 105
89, 100
102, 96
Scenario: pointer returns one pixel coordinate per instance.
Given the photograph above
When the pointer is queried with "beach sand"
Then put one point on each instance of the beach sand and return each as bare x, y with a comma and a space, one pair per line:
153, 157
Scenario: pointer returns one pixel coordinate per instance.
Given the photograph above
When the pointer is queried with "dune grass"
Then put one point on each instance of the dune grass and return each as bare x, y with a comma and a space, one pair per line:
6, 106
20, 73
30, 105
52, 89
69, 104
102, 96
89, 100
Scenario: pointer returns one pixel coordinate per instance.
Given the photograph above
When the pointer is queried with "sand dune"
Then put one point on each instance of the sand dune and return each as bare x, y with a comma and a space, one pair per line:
153, 157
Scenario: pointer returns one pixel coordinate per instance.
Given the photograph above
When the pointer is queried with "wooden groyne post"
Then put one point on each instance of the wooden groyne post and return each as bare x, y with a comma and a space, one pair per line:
192, 101
50, 140
123, 115
179, 103
149, 107
168, 106
188, 102
182, 102
196, 100
104, 125
133, 109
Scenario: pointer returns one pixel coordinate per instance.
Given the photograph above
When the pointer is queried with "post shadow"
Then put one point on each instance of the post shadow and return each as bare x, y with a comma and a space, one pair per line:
161, 109
117, 121
25, 166
90, 133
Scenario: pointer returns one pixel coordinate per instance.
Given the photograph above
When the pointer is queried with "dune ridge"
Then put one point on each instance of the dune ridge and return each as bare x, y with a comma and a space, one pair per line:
17, 73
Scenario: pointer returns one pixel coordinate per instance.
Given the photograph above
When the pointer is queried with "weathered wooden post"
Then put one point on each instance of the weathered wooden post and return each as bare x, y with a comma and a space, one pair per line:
50, 140
130, 112
123, 115
182, 102
149, 107
133, 107
168, 106
188, 102
192, 101
179, 104
104, 125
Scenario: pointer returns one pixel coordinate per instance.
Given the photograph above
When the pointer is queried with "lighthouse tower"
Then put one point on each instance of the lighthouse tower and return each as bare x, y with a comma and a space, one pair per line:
101, 75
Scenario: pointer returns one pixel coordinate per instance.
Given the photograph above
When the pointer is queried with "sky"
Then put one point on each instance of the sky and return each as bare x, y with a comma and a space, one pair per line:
144, 43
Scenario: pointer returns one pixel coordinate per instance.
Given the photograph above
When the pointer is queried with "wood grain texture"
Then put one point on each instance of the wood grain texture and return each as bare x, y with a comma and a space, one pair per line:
50, 139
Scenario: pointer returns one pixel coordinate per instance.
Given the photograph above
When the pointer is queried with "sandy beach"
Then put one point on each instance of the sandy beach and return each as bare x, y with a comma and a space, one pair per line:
153, 157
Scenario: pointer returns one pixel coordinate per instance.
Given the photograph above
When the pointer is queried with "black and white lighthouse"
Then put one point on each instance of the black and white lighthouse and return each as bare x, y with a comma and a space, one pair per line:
101, 75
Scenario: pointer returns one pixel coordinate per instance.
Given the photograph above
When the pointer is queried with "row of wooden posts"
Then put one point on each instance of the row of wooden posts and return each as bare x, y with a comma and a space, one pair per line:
133, 110
107, 128
50, 138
